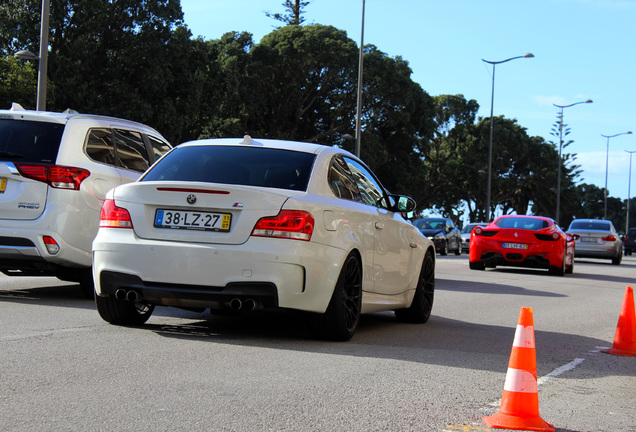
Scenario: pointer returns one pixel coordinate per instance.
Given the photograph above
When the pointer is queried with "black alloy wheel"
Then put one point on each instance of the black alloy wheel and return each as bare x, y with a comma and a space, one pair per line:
420, 310
341, 319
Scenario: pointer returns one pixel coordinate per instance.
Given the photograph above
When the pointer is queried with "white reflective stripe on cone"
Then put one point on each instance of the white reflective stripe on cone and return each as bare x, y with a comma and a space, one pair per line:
524, 337
520, 381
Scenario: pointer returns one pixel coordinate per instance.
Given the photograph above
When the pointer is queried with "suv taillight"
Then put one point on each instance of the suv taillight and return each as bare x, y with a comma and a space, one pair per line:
56, 176
112, 216
291, 224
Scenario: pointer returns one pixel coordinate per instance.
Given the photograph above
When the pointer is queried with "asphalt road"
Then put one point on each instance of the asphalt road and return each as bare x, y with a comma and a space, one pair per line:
63, 369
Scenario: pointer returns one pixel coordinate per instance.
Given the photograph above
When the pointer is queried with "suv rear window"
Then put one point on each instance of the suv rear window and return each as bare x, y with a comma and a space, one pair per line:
249, 166
29, 141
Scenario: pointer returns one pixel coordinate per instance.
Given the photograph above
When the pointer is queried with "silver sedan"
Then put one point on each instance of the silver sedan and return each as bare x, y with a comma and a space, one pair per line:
596, 238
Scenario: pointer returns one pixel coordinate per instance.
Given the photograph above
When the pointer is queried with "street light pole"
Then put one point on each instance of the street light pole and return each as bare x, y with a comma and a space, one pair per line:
606, 168
359, 104
629, 183
558, 200
44, 50
43, 58
492, 104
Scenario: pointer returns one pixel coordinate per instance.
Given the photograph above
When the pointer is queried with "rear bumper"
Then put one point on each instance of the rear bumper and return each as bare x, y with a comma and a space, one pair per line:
538, 255
515, 260
597, 252
265, 294
277, 272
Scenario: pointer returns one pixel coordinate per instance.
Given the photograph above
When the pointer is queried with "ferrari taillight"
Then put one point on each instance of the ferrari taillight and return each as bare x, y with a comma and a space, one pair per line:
290, 224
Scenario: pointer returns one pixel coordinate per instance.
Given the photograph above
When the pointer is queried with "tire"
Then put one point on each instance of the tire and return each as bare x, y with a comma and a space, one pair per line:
121, 312
570, 269
459, 249
420, 310
476, 265
341, 319
558, 271
444, 250
617, 259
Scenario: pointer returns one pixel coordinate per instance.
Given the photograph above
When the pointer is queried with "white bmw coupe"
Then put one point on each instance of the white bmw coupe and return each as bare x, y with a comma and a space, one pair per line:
243, 225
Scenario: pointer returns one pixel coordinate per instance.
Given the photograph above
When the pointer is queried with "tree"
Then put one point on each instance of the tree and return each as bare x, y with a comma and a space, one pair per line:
17, 83
448, 172
303, 84
294, 12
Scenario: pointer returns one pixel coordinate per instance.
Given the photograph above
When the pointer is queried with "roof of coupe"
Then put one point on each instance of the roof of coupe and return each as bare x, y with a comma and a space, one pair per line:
269, 143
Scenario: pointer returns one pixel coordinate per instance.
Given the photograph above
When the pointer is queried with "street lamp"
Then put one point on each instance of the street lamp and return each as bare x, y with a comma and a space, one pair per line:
606, 166
43, 58
359, 104
561, 107
492, 103
629, 183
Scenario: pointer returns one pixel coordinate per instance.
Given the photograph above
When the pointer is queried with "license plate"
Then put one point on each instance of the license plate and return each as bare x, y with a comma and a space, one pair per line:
203, 221
3, 185
514, 246
589, 239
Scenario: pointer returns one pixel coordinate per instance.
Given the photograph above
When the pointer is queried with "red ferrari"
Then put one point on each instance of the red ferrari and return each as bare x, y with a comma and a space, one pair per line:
522, 241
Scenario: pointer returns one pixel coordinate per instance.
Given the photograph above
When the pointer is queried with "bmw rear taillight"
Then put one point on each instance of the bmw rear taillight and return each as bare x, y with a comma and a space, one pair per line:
290, 224
112, 216
56, 176
609, 238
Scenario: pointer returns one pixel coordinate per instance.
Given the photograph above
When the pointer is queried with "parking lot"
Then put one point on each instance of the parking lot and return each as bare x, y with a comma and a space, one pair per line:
63, 368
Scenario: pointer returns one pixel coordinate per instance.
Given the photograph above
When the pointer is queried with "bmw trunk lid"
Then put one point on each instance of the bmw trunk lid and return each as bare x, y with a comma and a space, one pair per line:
196, 211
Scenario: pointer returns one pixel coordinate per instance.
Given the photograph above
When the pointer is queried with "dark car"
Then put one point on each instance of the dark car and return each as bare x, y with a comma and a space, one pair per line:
629, 241
443, 232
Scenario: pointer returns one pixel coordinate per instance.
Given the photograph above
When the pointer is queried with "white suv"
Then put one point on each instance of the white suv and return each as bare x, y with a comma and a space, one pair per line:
55, 169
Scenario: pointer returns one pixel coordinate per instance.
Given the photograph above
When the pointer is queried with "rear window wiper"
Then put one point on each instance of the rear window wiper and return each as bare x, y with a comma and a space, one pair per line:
10, 155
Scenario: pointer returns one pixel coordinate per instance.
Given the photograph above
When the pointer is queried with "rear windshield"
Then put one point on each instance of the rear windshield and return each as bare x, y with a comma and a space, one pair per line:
29, 141
592, 226
249, 166
522, 223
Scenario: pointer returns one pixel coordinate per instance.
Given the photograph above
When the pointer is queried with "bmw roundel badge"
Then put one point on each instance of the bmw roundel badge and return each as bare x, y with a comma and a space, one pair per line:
192, 199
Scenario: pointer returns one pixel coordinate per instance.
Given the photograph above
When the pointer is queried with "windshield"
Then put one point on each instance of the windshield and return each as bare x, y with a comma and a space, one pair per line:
250, 166
29, 141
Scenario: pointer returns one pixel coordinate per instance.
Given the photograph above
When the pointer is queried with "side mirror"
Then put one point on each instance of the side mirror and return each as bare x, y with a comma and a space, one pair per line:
403, 204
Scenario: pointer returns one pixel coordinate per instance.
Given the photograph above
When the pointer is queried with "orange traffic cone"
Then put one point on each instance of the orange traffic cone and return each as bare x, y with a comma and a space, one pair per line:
520, 401
625, 337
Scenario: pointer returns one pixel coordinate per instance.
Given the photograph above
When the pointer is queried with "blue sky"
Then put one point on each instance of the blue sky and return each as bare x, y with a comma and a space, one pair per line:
584, 49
